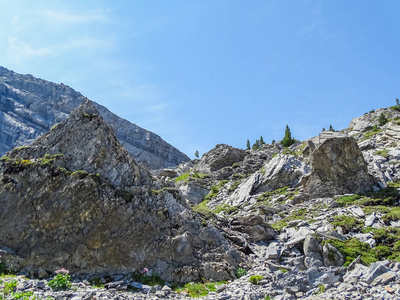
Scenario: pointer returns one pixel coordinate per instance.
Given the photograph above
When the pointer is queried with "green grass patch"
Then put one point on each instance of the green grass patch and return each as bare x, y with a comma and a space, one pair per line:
266, 196
164, 189
196, 290
226, 208
148, 279
55, 126
199, 175
387, 196
5, 158
348, 200
22, 295
283, 270
352, 248
233, 187
392, 215
383, 153
369, 134
299, 214
184, 178
9, 287
81, 174
203, 209
255, 279
287, 151
347, 223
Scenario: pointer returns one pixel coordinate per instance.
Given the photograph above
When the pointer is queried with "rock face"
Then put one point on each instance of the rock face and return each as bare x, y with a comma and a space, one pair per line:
221, 156
338, 167
29, 107
279, 172
76, 199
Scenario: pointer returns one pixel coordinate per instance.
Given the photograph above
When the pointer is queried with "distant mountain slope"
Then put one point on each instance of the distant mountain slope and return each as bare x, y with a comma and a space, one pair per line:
30, 106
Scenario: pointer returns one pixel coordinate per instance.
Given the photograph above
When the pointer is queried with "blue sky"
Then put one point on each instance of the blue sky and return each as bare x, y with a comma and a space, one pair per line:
199, 73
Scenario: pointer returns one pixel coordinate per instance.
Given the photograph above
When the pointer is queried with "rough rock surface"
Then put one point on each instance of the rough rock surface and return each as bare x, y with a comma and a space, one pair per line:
30, 106
279, 172
338, 167
221, 156
76, 199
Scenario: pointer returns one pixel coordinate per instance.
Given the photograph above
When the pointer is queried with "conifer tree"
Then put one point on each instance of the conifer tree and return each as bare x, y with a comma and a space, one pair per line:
382, 119
287, 140
262, 141
273, 142
196, 154
256, 145
248, 145
331, 128
323, 129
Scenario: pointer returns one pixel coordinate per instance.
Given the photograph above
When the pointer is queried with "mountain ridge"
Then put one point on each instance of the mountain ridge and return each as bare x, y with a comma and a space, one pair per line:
30, 106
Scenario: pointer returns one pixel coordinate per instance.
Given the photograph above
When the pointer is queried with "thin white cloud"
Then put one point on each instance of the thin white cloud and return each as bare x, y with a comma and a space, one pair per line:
64, 17
20, 50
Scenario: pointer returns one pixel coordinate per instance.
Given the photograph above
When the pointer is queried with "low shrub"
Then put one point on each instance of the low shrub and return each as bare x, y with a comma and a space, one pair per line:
62, 281
254, 279
240, 272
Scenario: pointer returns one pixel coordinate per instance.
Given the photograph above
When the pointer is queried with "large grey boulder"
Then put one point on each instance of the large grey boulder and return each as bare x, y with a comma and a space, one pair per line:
30, 106
219, 157
338, 167
102, 154
76, 199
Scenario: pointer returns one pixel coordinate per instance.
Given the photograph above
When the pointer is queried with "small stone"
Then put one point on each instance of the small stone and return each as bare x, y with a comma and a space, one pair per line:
42, 273
41, 285
85, 282
299, 295
374, 271
220, 288
384, 278
160, 294
166, 289
224, 297
113, 284
389, 289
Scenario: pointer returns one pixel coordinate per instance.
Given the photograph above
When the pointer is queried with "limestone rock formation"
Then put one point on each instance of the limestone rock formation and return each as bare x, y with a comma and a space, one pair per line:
338, 167
219, 157
76, 199
30, 106
279, 172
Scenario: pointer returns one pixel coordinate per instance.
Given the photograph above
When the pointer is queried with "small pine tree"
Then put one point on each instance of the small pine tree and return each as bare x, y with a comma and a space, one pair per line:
256, 145
273, 142
323, 129
331, 128
287, 140
262, 141
397, 102
196, 154
248, 145
382, 119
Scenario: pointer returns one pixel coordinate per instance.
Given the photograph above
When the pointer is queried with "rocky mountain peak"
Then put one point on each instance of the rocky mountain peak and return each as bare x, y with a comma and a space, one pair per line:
84, 141
76, 199
30, 106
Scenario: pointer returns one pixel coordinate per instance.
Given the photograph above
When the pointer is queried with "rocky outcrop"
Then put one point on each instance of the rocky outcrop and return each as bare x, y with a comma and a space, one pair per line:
338, 167
30, 106
281, 171
76, 199
219, 157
